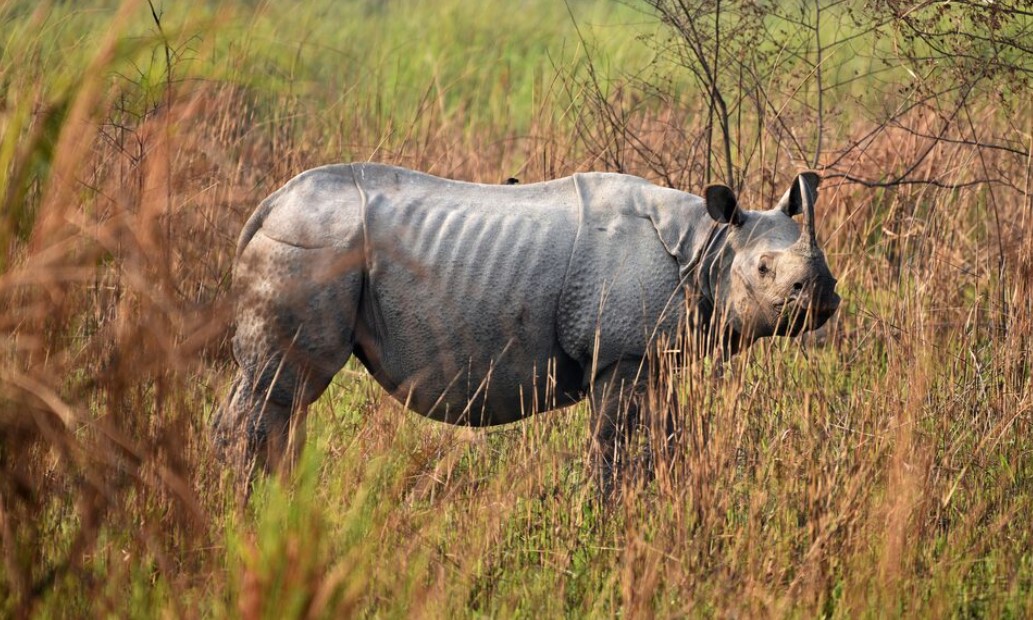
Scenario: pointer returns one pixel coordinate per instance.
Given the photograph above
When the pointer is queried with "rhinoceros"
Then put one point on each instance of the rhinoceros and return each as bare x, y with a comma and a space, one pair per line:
481, 305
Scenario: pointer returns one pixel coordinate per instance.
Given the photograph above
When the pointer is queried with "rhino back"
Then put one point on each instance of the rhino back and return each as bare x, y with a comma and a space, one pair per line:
459, 315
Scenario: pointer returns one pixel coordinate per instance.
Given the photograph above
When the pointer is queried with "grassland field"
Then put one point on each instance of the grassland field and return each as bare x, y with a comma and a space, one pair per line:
884, 469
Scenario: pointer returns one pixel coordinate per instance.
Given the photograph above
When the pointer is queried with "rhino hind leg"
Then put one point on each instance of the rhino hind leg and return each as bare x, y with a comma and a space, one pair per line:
296, 310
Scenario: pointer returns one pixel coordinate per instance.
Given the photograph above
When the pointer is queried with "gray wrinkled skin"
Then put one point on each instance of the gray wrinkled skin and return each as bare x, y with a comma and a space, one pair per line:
481, 305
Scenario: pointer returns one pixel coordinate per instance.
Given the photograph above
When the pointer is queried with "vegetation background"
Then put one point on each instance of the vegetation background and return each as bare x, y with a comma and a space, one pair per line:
884, 469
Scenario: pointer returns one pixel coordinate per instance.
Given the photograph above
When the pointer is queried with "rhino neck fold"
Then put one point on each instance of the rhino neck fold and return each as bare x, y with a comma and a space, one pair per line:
697, 278
704, 270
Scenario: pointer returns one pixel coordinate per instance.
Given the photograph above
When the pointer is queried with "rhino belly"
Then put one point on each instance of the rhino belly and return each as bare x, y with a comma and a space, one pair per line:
458, 319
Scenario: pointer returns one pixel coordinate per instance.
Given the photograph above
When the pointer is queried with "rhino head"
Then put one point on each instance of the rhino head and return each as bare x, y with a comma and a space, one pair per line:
765, 274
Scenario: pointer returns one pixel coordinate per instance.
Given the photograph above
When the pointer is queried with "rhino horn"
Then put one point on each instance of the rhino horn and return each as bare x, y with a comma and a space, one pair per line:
800, 198
809, 236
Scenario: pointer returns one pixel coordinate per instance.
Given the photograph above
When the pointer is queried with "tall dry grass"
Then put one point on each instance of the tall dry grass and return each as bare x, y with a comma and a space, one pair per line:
886, 471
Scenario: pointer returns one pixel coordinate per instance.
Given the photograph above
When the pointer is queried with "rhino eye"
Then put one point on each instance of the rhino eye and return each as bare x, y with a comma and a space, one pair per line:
763, 269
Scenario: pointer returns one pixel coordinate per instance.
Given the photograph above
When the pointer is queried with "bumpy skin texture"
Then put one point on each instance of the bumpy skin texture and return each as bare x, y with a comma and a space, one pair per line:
471, 304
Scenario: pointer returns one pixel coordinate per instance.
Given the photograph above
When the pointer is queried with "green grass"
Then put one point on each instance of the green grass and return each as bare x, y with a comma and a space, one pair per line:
882, 472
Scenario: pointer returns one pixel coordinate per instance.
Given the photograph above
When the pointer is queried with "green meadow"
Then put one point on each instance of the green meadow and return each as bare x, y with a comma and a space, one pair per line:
881, 468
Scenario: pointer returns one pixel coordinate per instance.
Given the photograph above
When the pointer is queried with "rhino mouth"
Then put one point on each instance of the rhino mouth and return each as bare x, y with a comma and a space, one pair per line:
794, 319
791, 321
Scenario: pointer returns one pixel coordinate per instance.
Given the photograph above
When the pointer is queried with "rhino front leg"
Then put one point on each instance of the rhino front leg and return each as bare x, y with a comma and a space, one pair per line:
616, 398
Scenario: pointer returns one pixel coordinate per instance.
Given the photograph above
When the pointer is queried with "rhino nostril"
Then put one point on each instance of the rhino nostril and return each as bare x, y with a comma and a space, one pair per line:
798, 286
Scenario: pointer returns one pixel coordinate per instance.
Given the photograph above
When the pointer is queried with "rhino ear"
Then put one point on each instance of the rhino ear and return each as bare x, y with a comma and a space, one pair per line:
722, 205
791, 202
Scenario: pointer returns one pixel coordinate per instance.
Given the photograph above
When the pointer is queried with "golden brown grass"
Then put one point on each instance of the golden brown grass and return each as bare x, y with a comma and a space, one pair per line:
884, 472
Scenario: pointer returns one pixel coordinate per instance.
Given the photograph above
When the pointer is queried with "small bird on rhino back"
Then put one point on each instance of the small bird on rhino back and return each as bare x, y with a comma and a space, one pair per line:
482, 305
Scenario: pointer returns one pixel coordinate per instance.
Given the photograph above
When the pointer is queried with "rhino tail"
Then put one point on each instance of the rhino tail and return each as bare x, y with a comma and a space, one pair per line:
254, 223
